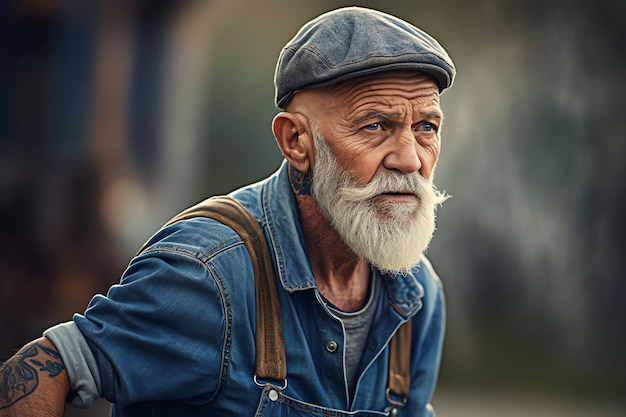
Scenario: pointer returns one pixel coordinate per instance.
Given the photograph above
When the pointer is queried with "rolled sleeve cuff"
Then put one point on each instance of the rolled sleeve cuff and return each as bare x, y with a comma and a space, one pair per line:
80, 363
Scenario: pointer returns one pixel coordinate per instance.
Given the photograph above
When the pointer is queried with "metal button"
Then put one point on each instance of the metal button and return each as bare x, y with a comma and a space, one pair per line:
331, 346
394, 412
273, 395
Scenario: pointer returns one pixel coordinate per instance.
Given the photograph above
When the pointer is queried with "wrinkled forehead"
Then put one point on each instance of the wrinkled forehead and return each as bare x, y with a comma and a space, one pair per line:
391, 88
375, 90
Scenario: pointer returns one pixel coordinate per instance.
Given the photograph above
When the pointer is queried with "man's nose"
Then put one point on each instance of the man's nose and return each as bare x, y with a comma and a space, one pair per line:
403, 155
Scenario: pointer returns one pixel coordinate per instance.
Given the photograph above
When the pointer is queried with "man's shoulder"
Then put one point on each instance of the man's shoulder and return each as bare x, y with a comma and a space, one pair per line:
199, 236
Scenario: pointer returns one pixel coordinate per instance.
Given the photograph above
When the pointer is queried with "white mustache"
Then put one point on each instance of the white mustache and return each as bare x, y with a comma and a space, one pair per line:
388, 182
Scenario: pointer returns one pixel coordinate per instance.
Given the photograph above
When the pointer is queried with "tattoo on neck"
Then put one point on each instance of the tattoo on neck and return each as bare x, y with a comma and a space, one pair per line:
18, 378
301, 182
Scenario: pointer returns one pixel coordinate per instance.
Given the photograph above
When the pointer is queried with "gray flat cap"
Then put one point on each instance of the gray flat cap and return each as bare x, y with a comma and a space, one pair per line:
353, 41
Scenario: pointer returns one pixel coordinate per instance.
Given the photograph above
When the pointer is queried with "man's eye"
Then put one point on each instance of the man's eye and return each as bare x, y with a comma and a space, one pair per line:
428, 127
372, 126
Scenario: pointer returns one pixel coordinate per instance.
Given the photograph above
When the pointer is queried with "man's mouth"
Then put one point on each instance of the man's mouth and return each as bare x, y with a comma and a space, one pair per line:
397, 197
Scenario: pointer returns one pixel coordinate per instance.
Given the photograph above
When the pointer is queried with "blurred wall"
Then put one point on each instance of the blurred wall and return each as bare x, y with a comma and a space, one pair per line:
116, 115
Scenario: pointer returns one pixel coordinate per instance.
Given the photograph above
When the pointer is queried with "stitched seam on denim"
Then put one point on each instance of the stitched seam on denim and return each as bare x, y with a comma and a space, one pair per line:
203, 255
319, 410
276, 247
266, 198
228, 318
205, 259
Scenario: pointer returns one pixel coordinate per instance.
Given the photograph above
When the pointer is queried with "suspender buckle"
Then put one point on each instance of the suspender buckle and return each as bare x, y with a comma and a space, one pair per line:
394, 401
262, 383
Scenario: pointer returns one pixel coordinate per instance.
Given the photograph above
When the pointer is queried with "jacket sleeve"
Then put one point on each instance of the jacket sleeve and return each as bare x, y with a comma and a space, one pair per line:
160, 334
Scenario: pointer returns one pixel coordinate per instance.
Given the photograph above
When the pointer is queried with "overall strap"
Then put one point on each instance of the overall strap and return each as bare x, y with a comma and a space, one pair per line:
270, 348
271, 361
400, 365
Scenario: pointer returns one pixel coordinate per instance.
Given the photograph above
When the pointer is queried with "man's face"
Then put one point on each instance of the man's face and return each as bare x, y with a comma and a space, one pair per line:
384, 123
375, 155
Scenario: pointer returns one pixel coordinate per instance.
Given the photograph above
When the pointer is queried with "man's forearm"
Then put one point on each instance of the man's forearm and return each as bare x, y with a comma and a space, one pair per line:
34, 382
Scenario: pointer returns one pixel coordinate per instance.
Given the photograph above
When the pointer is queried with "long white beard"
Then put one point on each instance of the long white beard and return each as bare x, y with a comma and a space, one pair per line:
392, 236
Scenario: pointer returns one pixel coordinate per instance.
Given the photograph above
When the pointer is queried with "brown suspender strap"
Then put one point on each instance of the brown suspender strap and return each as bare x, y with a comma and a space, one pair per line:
270, 349
400, 363
271, 362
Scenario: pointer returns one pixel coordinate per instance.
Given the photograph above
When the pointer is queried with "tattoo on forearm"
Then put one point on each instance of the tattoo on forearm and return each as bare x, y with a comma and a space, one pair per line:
19, 377
301, 182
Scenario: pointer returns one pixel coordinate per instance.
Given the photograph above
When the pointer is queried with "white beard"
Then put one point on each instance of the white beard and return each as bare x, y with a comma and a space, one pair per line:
392, 236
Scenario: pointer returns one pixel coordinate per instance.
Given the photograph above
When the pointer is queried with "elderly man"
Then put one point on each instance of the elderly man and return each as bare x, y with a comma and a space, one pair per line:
347, 218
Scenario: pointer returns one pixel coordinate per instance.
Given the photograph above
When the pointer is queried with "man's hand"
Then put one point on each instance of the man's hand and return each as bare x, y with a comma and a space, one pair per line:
34, 382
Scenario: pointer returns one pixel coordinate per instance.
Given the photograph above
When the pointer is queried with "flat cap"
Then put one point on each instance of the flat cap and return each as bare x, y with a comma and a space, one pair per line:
354, 41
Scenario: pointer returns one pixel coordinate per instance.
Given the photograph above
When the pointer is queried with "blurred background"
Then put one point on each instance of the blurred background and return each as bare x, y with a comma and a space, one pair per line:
115, 115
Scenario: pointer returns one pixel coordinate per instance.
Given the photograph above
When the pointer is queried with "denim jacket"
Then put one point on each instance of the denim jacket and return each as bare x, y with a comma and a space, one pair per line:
176, 336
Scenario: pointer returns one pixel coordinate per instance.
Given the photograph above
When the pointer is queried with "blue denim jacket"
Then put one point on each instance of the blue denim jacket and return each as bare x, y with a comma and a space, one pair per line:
176, 336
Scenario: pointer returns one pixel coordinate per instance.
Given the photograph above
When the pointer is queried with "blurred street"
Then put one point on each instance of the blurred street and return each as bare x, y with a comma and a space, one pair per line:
480, 404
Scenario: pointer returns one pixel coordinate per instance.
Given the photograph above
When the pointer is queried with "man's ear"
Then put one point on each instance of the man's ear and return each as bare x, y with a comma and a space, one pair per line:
293, 135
